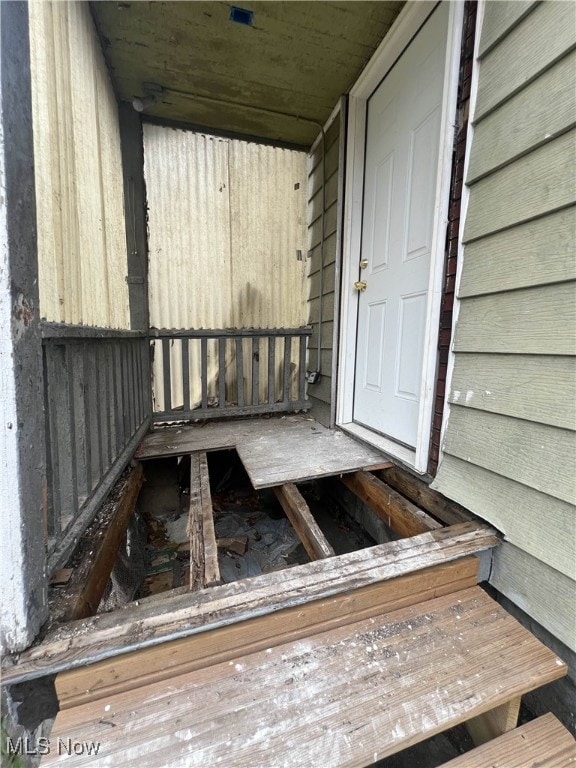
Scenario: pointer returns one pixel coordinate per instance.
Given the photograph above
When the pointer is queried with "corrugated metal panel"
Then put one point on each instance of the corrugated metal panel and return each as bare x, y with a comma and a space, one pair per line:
79, 193
226, 218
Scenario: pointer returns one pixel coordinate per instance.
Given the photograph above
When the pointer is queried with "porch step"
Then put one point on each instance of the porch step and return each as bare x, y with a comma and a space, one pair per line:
348, 696
542, 743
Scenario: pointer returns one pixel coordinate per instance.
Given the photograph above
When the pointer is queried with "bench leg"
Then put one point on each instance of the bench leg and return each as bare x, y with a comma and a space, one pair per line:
494, 723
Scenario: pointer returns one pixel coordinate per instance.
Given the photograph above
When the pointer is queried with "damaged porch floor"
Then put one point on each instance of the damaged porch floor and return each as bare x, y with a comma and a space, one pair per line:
274, 451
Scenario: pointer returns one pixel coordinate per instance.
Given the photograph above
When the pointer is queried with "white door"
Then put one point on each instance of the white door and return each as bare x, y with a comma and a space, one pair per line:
400, 183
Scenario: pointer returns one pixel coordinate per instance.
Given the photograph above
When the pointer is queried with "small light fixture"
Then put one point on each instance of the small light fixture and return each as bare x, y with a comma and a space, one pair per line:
152, 95
241, 16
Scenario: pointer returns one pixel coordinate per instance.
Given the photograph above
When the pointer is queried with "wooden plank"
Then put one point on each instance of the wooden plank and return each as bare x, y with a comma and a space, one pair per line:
204, 570
539, 113
494, 723
541, 591
184, 615
535, 455
308, 530
185, 352
204, 371
531, 387
286, 370
221, 373
255, 370
543, 742
497, 500
395, 510
272, 370
356, 693
86, 587
199, 414
499, 19
166, 373
302, 369
533, 46
423, 496
216, 333
547, 245
180, 656
533, 185
239, 372
533, 321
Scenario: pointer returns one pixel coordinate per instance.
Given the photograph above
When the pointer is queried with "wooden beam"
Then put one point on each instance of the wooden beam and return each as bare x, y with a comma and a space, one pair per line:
204, 570
150, 665
101, 543
138, 626
308, 530
420, 493
495, 722
397, 512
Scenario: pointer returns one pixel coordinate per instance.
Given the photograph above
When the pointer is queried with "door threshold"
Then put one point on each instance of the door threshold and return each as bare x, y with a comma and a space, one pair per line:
385, 444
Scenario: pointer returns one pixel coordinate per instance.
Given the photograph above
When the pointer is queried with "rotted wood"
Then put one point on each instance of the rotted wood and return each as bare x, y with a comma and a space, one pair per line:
307, 529
420, 493
204, 570
395, 510
139, 626
100, 545
149, 665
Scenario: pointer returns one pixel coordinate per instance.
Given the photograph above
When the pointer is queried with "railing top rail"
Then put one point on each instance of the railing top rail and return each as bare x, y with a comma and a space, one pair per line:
210, 333
63, 331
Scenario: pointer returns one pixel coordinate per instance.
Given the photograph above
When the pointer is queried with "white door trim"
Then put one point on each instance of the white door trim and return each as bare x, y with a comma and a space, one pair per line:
406, 26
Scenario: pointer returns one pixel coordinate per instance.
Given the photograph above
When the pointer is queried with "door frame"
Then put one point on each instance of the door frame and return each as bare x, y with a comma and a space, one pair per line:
408, 23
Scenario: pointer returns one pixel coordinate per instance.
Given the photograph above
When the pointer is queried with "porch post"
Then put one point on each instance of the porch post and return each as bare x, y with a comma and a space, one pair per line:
22, 449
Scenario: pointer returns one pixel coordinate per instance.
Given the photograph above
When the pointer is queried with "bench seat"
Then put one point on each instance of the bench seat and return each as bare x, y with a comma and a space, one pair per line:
345, 697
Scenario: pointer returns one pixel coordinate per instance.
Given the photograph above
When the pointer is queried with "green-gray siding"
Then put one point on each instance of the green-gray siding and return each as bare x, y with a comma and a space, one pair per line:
510, 442
322, 393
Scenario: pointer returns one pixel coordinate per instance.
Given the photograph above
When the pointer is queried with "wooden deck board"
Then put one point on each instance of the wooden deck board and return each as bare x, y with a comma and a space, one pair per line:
182, 615
543, 742
347, 697
274, 451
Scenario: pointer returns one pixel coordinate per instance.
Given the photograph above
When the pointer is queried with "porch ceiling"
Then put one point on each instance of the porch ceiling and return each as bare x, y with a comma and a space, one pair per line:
297, 59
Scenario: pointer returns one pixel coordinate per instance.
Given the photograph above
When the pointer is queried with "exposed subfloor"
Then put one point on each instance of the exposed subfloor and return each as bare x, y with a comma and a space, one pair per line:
274, 451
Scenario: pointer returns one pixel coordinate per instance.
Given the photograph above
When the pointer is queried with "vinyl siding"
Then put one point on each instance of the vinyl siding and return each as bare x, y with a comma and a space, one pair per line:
322, 249
510, 442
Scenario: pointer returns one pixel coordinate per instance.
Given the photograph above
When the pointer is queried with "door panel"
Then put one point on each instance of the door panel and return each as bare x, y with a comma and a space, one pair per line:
401, 171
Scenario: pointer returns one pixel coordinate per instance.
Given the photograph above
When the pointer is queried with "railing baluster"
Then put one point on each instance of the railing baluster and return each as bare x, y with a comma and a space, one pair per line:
302, 369
72, 430
222, 372
287, 360
255, 370
271, 370
166, 374
240, 370
185, 375
204, 371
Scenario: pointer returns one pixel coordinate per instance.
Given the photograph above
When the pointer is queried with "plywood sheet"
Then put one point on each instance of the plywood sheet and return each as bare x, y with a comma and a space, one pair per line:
274, 451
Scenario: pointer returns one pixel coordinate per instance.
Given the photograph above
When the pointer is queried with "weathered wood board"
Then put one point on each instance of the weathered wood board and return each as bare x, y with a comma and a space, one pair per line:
347, 697
274, 451
543, 742
183, 615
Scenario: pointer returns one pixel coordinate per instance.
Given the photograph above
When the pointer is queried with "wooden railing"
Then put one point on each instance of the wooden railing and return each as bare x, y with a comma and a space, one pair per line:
202, 374
98, 407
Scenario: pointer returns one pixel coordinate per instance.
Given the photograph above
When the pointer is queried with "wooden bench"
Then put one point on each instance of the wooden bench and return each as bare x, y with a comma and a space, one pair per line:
542, 743
348, 696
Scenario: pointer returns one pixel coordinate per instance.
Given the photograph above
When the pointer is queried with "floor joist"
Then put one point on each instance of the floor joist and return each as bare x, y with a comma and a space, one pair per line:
307, 529
204, 570
397, 512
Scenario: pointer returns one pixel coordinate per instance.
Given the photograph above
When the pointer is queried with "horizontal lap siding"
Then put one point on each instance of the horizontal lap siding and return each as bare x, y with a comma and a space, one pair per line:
510, 442
322, 267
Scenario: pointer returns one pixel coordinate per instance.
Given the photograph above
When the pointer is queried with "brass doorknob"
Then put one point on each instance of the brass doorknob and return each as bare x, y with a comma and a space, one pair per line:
363, 263
360, 285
